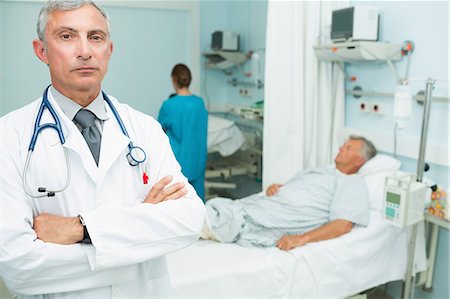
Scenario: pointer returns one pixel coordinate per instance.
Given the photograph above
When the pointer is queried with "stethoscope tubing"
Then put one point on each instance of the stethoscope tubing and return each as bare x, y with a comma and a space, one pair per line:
131, 146
133, 159
45, 192
38, 128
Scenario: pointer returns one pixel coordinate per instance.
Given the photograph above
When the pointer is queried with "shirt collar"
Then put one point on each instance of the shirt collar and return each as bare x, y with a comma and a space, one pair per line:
70, 107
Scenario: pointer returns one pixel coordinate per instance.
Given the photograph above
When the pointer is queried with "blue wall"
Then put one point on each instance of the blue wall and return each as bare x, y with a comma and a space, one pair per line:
426, 24
145, 55
24, 76
248, 18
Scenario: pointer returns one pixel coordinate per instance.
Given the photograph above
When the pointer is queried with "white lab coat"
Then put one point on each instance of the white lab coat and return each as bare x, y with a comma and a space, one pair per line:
130, 239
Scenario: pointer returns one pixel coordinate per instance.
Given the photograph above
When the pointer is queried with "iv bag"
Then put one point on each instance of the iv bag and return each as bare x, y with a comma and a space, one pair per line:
255, 67
402, 105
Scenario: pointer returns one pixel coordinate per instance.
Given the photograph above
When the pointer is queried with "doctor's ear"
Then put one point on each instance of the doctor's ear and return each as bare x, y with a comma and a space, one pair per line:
40, 51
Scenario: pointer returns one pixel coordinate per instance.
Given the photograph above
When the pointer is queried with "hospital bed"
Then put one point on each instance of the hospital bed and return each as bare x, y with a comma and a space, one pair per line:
362, 259
234, 149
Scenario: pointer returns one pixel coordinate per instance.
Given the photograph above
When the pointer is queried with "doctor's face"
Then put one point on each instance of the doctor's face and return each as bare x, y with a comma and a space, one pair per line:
77, 50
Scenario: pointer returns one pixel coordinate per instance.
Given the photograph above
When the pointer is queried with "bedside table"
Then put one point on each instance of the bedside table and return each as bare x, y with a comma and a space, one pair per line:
435, 223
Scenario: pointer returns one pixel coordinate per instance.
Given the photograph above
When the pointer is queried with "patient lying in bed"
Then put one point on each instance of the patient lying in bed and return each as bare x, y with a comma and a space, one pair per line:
316, 204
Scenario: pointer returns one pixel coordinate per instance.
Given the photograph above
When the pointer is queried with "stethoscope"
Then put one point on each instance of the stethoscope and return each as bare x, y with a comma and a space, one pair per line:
135, 156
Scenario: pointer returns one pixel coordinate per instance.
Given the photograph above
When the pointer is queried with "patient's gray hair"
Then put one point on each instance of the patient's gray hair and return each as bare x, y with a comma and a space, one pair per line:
64, 5
368, 150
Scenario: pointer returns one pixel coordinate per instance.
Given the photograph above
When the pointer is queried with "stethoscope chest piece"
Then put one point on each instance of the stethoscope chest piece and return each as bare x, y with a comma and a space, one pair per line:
136, 155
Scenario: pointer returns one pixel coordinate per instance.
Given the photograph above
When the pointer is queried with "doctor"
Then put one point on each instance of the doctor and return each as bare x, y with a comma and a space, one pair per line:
105, 226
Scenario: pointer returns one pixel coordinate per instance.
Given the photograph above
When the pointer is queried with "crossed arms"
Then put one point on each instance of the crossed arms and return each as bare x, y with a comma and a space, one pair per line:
69, 230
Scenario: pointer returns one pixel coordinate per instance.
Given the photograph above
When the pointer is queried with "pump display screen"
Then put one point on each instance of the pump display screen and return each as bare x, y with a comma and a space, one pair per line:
393, 198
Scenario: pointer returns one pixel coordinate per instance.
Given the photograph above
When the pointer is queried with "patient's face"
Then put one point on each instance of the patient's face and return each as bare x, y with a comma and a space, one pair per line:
349, 158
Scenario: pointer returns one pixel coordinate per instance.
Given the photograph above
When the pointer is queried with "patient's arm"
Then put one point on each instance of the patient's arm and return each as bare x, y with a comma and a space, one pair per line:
273, 189
330, 230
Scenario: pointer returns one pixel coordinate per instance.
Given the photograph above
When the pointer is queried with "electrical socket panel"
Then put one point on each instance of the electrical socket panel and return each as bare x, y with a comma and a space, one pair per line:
375, 108
245, 92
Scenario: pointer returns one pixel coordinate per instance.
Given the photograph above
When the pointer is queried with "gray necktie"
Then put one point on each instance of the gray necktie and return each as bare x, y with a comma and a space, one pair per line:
86, 119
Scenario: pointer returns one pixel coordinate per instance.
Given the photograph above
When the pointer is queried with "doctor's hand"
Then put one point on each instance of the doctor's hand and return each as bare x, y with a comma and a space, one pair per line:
289, 242
58, 229
273, 189
161, 192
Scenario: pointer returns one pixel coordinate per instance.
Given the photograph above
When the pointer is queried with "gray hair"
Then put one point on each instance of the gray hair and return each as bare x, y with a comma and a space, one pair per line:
64, 5
368, 150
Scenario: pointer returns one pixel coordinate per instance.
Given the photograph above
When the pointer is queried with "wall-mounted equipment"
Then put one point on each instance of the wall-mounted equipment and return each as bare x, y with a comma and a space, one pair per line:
235, 82
358, 51
223, 60
355, 23
366, 51
225, 41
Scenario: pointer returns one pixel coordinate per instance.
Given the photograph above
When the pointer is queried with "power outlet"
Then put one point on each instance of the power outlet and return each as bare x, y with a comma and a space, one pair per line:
377, 108
364, 107
245, 92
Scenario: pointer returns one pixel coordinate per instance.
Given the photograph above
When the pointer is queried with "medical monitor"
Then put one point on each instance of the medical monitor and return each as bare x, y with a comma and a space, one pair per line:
356, 23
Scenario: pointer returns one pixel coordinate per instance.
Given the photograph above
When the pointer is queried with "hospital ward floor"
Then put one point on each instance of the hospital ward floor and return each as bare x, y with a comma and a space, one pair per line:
245, 185
378, 293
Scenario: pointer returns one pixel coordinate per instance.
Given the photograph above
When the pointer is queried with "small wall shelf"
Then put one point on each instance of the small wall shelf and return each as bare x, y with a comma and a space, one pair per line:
365, 51
224, 59
359, 51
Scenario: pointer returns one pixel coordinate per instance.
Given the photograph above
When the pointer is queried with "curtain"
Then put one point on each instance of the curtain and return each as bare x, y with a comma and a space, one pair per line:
304, 98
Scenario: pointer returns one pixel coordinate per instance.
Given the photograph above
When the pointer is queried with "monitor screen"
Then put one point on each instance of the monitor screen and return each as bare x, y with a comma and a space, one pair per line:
342, 23
393, 198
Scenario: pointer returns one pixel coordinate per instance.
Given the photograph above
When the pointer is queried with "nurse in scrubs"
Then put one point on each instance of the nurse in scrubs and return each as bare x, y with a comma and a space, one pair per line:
184, 118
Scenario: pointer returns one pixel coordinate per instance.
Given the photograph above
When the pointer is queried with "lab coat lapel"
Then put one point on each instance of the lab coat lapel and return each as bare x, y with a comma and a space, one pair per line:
114, 143
74, 140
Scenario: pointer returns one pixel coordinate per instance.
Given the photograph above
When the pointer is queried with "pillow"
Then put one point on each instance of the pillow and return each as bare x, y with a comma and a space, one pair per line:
374, 173
379, 163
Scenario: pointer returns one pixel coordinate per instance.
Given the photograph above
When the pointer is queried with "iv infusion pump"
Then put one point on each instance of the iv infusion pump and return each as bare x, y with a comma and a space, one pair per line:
404, 199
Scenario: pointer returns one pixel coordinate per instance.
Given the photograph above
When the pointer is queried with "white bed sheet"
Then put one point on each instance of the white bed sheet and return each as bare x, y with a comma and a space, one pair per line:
223, 136
337, 268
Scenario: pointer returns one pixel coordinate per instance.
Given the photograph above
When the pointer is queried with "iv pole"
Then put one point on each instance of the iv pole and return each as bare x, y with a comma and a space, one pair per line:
408, 289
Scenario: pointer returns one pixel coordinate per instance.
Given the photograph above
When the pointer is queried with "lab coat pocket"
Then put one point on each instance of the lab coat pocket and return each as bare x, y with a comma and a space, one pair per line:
141, 185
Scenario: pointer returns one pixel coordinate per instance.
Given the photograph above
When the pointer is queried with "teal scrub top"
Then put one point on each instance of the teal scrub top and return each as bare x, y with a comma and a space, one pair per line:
185, 121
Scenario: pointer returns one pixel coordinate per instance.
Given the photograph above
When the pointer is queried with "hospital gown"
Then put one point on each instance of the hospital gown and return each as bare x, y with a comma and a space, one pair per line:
309, 200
